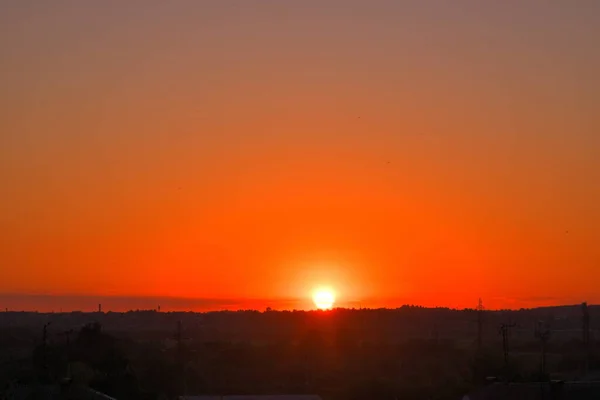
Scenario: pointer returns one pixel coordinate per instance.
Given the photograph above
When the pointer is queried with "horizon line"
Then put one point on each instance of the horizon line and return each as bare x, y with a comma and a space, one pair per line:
212, 304
296, 310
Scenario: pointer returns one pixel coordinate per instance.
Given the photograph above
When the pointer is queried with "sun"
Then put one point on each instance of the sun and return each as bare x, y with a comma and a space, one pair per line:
324, 298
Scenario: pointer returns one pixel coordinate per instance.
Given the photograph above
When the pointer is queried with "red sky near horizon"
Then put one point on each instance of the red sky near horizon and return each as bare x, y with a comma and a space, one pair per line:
435, 152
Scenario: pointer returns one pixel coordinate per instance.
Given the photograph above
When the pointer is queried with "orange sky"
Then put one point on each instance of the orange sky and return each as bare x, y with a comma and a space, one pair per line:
434, 153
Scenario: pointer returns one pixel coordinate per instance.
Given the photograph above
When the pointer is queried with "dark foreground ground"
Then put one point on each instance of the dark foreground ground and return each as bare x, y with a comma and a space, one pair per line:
408, 353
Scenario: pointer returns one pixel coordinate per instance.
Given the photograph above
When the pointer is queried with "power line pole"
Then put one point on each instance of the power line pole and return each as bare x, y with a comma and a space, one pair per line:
505, 332
45, 350
542, 333
586, 336
180, 357
67, 335
480, 325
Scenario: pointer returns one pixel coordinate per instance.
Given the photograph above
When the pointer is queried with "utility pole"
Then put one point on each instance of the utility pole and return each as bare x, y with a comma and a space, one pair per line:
542, 333
67, 335
480, 325
505, 332
45, 349
180, 357
586, 336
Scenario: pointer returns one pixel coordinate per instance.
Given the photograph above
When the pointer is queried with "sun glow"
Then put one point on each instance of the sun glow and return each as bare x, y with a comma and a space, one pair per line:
324, 298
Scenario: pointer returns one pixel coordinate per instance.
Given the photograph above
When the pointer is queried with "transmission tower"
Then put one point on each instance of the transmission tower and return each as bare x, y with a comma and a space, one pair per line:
542, 333
505, 332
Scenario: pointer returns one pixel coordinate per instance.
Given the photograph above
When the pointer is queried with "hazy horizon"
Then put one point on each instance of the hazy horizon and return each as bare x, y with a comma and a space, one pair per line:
89, 303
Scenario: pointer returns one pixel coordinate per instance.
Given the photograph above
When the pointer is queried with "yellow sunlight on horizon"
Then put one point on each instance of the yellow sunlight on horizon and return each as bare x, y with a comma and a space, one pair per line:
324, 298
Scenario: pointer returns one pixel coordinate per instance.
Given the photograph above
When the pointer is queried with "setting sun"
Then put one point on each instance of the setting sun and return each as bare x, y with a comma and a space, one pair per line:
324, 299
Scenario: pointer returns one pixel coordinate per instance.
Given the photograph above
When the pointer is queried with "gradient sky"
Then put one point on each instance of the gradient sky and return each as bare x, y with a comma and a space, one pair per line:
431, 151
